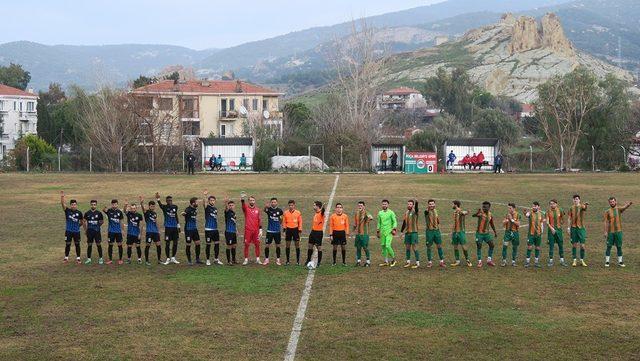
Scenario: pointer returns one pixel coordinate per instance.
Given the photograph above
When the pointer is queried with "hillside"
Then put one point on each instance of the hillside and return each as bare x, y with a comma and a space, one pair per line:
508, 58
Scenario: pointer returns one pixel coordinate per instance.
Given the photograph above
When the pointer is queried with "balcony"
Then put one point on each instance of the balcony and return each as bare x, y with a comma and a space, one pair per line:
230, 115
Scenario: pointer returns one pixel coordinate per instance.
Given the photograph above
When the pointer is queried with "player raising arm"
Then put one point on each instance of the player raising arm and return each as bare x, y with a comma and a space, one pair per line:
613, 229
485, 219
387, 228
115, 218
211, 233
171, 228
458, 233
577, 230
152, 234
511, 238
73, 221
534, 239
555, 220
93, 219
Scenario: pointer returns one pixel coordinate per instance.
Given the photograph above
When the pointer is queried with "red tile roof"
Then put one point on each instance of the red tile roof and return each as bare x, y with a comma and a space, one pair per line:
7, 90
205, 86
528, 108
403, 90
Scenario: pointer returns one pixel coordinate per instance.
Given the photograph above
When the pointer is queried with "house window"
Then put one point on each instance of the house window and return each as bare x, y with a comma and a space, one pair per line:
15, 105
265, 104
226, 130
245, 103
255, 104
165, 104
20, 106
30, 106
1, 104
232, 104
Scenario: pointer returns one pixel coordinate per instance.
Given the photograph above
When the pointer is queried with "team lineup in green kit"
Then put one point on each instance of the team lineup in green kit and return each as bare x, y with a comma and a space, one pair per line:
342, 228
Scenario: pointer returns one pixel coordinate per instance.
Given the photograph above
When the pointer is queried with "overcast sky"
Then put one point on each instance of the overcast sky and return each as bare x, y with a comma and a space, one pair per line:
197, 24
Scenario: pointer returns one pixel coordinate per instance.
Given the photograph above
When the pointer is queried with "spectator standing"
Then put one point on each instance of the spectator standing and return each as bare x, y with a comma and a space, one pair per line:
451, 159
497, 163
394, 161
383, 160
191, 160
480, 160
243, 162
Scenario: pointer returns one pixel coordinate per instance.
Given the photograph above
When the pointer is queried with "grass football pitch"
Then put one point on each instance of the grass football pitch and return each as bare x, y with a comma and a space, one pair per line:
52, 310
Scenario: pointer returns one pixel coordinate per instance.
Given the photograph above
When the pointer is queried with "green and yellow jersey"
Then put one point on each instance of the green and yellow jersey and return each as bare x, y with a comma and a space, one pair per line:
512, 226
361, 222
484, 219
458, 221
576, 215
613, 217
555, 218
536, 219
432, 219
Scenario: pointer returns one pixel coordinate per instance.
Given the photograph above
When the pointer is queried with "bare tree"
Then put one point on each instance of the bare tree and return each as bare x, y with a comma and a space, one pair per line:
109, 124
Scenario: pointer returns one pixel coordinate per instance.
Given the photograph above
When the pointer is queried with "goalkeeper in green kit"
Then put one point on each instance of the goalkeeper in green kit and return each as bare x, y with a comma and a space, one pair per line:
387, 228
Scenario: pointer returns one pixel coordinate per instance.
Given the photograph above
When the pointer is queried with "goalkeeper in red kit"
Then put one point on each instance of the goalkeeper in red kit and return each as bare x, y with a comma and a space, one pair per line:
252, 228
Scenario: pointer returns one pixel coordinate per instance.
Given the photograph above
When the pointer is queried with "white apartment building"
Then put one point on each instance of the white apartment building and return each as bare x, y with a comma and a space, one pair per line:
18, 116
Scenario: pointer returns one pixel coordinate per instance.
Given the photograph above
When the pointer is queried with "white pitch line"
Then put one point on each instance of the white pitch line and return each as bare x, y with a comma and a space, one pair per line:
290, 354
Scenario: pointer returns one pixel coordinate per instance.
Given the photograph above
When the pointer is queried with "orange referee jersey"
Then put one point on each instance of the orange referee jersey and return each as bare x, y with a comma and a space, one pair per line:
318, 221
292, 219
339, 222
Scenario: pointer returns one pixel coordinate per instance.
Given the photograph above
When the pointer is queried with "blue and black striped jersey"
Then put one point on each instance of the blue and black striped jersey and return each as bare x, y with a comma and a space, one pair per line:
230, 221
170, 215
72, 219
274, 216
151, 221
94, 219
115, 217
191, 219
210, 218
133, 223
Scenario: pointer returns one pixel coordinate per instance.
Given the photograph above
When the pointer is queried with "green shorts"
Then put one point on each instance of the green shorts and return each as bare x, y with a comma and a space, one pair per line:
555, 238
434, 236
362, 240
614, 239
578, 235
534, 240
512, 237
411, 238
459, 238
483, 237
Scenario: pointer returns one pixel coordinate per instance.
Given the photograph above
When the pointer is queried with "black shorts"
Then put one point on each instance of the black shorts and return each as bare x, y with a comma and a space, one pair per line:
171, 234
315, 238
273, 237
339, 238
212, 236
152, 237
93, 236
191, 236
115, 237
292, 234
230, 238
132, 239
71, 236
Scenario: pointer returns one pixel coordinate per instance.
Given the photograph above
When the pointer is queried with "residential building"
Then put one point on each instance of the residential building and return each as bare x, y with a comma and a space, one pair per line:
401, 98
18, 116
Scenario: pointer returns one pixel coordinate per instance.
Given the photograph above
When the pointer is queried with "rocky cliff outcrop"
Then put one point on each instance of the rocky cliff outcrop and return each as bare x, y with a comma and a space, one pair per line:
511, 57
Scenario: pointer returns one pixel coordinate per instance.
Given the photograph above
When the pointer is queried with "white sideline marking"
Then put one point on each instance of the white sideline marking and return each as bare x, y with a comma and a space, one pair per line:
290, 354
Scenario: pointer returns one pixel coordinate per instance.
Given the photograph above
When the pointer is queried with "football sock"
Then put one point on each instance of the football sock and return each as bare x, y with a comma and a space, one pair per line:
266, 252
479, 250
167, 249
188, 251
139, 251
174, 250
466, 254
298, 254
319, 258
120, 251
491, 251
278, 252
159, 251
528, 253
207, 251
582, 252
77, 249
504, 252
344, 256
440, 254
99, 247
514, 253
573, 252
537, 253
407, 254
287, 253
309, 254
233, 255
146, 253
417, 253
110, 251
89, 250
367, 253
129, 252
358, 252
67, 249
456, 253
216, 250
429, 254
228, 251
335, 253
619, 252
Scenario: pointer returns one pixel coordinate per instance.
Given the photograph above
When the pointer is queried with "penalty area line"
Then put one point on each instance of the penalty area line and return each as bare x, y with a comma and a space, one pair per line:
290, 353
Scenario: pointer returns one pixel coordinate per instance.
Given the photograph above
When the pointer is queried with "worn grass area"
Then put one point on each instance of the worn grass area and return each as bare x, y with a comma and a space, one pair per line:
55, 311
